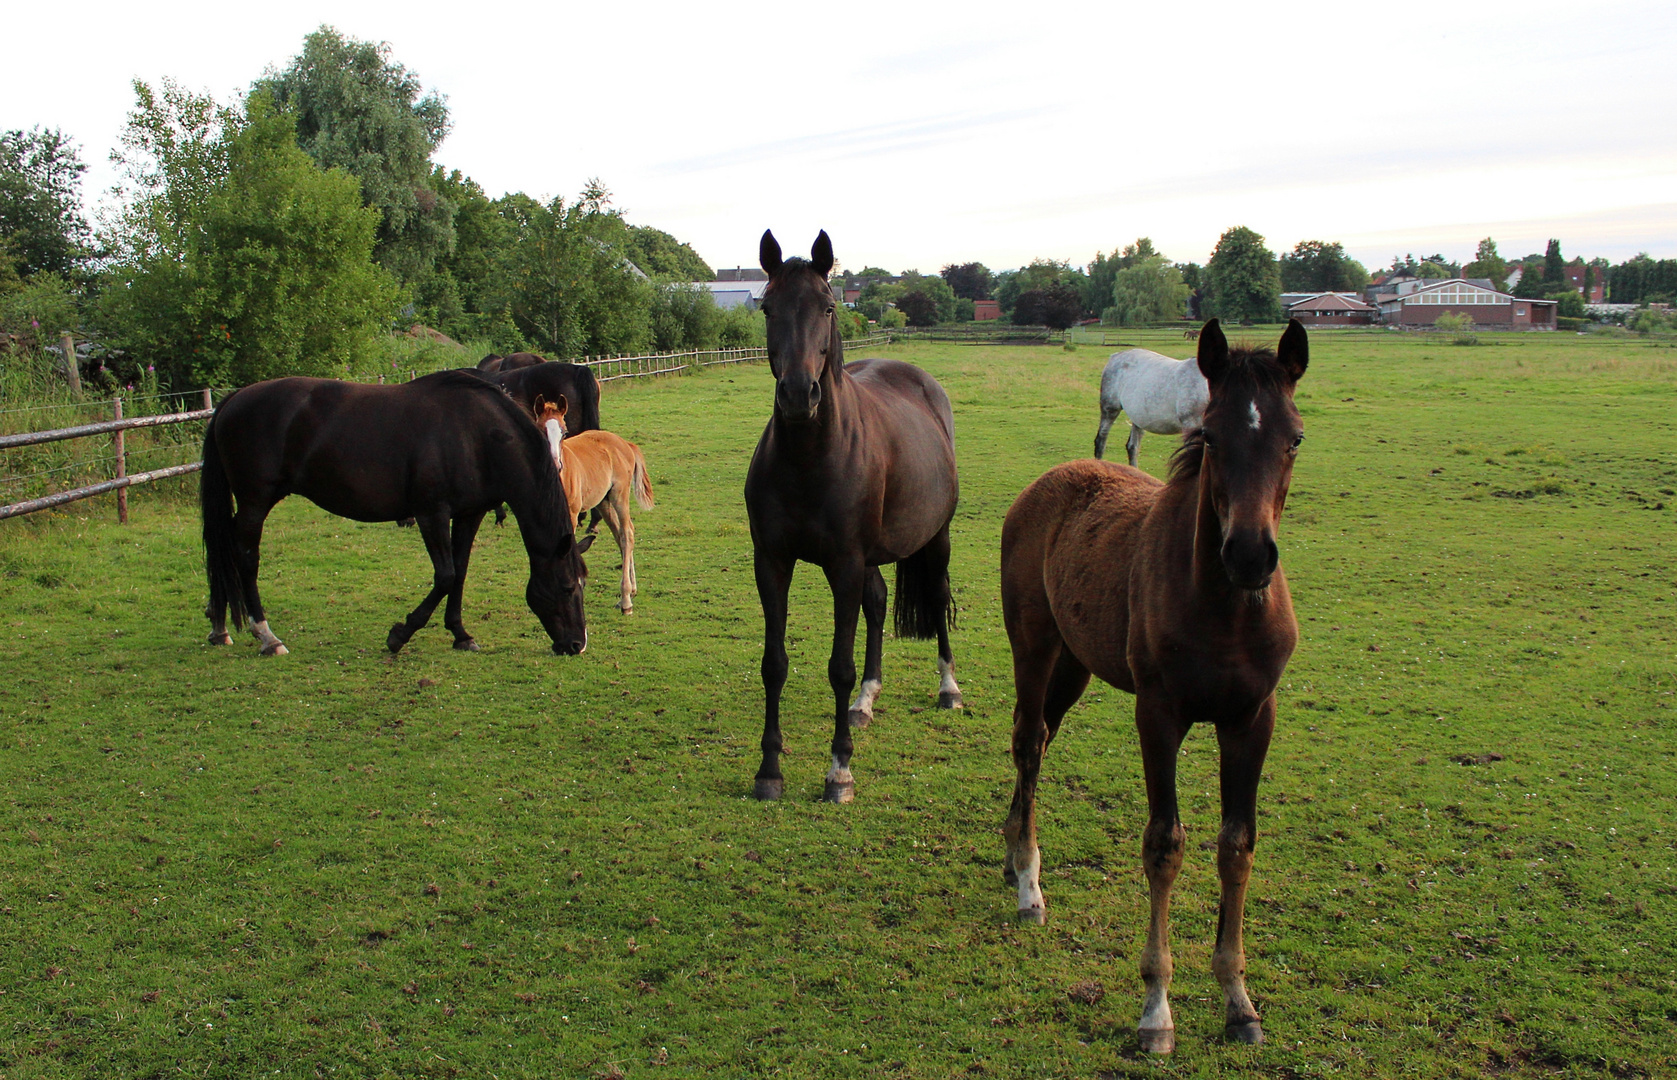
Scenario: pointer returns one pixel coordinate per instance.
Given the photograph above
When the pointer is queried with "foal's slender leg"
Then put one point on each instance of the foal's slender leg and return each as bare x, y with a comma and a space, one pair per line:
247, 539
848, 583
1161, 856
1242, 751
1133, 443
774, 578
614, 509
873, 610
433, 527
1108, 416
465, 531
1049, 700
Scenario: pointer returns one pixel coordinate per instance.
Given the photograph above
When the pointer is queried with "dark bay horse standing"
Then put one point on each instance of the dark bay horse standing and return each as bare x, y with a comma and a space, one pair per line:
495, 362
855, 469
1174, 592
444, 449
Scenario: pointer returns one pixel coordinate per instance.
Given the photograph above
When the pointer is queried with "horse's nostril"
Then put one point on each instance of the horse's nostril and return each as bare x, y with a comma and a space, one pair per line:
814, 394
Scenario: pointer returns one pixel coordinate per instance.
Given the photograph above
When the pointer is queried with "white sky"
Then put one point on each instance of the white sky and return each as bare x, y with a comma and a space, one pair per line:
924, 134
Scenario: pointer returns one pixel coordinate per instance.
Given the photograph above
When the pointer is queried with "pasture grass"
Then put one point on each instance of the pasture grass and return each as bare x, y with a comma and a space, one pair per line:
347, 864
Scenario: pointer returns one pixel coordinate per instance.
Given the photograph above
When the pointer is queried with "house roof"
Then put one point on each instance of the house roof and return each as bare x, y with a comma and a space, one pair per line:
1331, 302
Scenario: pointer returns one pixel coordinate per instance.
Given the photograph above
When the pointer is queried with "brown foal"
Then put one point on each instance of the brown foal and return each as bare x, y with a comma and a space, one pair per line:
1173, 592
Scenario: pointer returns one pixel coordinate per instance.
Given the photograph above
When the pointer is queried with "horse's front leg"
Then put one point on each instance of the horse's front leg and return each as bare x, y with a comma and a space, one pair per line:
774, 578
465, 532
848, 582
1161, 856
873, 611
434, 528
1242, 751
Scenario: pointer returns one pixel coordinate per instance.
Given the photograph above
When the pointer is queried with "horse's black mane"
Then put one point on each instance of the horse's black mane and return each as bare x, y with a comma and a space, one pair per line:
547, 502
1251, 368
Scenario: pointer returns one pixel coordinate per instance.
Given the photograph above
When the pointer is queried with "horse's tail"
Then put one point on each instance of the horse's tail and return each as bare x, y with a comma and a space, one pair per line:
215, 503
923, 606
642, 484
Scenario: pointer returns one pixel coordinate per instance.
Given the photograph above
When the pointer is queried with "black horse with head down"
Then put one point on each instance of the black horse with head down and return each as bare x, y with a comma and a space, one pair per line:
444, 449
855, 469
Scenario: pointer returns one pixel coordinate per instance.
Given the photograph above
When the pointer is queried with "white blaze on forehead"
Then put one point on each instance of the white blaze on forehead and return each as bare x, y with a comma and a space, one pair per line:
1253, 416
555, 436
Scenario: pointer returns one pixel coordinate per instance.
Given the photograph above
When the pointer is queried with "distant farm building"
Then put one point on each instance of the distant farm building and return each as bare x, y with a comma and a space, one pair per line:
986, 310
733, 293
1332, 309
1476, 299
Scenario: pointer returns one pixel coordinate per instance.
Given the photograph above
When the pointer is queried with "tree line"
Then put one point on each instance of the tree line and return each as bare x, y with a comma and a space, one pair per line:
289, 231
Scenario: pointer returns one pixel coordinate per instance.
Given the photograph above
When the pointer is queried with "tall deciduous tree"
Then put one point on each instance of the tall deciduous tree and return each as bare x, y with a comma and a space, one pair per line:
970, 281
1147, 291
664, 257
1241, 281
42, 228
1039, 275
359, 110
1318, 266
1554, 265
239, 258
1488, 264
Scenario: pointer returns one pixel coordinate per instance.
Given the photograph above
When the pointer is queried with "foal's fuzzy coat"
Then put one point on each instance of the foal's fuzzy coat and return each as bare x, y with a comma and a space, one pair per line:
600, 469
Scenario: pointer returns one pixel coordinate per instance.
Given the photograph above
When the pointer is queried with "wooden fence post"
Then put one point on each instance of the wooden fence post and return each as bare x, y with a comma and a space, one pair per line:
207, 403
72, 370
121, 466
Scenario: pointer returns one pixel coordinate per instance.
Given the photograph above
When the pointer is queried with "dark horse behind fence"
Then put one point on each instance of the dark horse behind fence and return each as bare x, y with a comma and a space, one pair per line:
1174, 592
855, 469
443, 449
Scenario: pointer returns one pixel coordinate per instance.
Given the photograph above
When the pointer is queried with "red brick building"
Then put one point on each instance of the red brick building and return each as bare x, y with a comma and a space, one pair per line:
986, 310
1486, 307
1333, 309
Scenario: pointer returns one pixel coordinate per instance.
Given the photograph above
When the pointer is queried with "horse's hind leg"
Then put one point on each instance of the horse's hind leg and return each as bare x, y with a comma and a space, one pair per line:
216, 612
873, 611
1133, 443
948, 692
434, 528
848, 583
247, 539
465, 531
1242, 752
1161, 856
1108, 416
1048, 680
614, 509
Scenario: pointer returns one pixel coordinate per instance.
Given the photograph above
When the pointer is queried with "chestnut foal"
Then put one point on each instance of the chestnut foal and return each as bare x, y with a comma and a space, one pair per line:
1173, 592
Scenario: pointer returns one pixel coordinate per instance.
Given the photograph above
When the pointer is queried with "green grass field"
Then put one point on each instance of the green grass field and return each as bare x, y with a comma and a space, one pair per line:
510, 864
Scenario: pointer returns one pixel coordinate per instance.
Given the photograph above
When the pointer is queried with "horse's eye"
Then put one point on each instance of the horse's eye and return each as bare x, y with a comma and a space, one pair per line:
1205, 439
1297, 441
829, 310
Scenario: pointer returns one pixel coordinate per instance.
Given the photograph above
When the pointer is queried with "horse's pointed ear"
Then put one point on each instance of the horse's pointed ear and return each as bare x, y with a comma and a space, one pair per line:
562, 406
1294, 352
585, 543
768, 253
541, 405
821, 254
1213, 352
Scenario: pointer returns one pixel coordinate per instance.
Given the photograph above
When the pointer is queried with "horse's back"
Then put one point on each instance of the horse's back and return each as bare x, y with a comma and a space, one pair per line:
1160, 394
893, 385
1068, 543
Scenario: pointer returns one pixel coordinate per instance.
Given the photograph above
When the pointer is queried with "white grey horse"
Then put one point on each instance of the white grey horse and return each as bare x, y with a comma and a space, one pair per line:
1160, 395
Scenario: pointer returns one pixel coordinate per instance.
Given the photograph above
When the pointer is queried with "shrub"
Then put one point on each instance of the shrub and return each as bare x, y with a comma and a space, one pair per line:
684, 317
1459, 323
741, 328
1651, 321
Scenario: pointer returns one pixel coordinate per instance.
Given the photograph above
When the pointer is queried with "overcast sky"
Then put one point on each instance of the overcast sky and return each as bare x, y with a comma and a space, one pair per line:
924, 134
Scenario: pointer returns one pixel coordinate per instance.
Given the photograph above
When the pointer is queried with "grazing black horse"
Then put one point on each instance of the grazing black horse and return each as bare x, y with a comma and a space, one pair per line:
495, 362
855, 469
444, 449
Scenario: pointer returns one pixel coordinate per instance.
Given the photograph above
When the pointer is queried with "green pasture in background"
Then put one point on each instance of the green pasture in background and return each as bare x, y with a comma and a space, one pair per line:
346, 864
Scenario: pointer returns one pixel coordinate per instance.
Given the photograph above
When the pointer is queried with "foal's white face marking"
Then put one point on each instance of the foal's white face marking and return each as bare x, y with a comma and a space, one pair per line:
1253, 416
555, 436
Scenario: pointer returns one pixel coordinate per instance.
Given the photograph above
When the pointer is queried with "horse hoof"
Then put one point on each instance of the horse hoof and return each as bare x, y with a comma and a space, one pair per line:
223, 638
1249, 1033
464, 645
1157, 1040
946, 700
860, 719
1034, 915
276, 649
836, 792
768, 790
398, 637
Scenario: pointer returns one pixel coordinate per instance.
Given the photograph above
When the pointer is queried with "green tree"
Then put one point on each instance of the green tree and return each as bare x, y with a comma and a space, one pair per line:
41, 223
1148, 291
969, 281
1554, 265
684, 317
1318, 266
1242, 282
664, 257
358, 110
566, 278
937, 292
1103, 270
239, 259
1488, 264
1039, 275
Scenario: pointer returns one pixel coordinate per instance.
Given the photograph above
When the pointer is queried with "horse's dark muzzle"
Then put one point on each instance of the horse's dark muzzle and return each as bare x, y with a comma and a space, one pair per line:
1250, 559
797, 400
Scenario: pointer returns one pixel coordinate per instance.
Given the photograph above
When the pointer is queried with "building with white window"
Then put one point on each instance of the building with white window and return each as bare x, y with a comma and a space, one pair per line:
1484, 305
